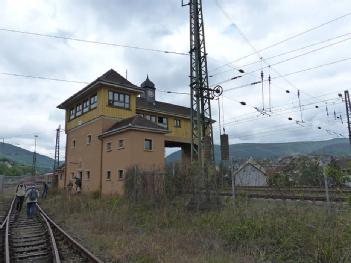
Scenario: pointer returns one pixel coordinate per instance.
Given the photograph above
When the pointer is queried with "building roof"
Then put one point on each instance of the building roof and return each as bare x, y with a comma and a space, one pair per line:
251, 162
135, 123
111, 78
147, 83
163, 107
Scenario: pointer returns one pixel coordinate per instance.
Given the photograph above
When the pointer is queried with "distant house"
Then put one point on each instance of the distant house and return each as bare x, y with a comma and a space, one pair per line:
251, 173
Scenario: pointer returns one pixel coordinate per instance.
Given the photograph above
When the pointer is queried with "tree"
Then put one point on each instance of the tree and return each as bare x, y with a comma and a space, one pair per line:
338, 177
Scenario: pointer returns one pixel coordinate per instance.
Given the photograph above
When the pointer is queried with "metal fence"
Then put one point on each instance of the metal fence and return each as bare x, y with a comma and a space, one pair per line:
9, 183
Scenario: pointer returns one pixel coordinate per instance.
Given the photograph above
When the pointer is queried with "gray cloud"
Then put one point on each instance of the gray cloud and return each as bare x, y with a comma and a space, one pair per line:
28, 106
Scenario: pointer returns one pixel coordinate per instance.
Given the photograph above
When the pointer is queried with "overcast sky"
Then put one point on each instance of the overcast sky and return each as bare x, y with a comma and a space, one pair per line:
233, 28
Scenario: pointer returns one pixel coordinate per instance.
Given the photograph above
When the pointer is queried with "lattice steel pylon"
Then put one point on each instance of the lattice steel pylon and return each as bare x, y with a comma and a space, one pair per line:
57, 149
348, 112
202, 150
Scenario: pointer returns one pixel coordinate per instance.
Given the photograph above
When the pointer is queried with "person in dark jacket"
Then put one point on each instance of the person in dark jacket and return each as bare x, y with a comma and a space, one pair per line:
31, 197
78, 184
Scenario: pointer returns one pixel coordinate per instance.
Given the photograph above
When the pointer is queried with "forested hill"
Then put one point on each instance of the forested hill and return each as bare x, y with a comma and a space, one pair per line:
335, 147
25, 157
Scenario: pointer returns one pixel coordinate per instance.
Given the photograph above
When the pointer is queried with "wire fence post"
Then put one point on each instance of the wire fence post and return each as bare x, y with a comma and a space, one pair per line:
233, 183
326, 190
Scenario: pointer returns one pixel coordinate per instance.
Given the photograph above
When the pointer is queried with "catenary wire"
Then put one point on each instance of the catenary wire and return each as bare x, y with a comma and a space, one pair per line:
281, 41
92, 41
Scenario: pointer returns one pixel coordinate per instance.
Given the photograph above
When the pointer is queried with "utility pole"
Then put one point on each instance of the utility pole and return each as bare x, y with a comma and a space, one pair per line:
57, 149
202, 150
348, 112
34, 167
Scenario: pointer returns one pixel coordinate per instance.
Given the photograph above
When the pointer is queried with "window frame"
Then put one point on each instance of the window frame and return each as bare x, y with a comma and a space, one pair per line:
164, 125
108, 175
93, 102
89, 139
150, 148
80, 111
74, 143
119, 146
87, 175
119, 175
118, 100
177, 123
108, 146
72, 113
86, 105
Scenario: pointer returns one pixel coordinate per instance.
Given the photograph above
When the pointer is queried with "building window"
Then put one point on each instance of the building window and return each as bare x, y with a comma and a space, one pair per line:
93, 101
177, 123
151, 118
89, 139
108, 175
117, 99
71, 114
86, 104
87, 173
79, 110
120, 174
148, 144
74, 143
162, 121
120, 144
108, 146
72, 175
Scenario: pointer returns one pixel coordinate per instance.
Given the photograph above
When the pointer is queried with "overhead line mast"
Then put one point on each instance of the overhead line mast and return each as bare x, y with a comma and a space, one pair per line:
348, 112
202, 150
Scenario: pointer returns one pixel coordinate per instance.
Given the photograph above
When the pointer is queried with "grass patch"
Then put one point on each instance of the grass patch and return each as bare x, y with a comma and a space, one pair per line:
256, 231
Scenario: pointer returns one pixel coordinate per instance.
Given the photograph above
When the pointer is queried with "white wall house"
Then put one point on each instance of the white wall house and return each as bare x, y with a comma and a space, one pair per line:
250, 173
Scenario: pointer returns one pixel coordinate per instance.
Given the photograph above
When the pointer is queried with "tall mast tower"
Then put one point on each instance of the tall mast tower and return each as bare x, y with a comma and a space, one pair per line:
57, 149
202, 150
348, 112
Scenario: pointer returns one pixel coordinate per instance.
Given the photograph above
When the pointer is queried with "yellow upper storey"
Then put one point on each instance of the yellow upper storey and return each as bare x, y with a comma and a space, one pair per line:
114, 97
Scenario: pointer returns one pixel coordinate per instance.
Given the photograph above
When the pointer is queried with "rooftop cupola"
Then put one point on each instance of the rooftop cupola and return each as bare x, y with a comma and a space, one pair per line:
149, 90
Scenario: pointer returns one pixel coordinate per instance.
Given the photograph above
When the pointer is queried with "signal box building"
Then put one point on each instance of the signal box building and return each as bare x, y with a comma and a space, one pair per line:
113, 125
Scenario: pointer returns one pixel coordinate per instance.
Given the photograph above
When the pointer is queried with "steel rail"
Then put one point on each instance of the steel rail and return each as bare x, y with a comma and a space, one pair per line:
56, 256
4, 222
78, 246
7, 244
287, 197
292, 189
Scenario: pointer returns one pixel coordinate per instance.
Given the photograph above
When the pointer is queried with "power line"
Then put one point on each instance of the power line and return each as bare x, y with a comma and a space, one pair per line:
252, 118
283, 109
315, 67
281, 76
93, 42
279, 42
257, 52
296, 122
291, 51
42, 78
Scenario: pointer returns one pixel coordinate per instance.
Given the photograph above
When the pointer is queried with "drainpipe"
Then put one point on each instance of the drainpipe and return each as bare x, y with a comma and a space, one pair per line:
66, 166
101, 159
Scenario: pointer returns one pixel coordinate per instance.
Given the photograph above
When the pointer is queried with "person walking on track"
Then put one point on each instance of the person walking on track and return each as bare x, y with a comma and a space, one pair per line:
32, 195
20, 193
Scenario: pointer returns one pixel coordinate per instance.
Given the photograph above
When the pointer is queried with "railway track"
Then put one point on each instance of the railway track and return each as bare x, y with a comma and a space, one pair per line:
288, 197
40, 240
297, 193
